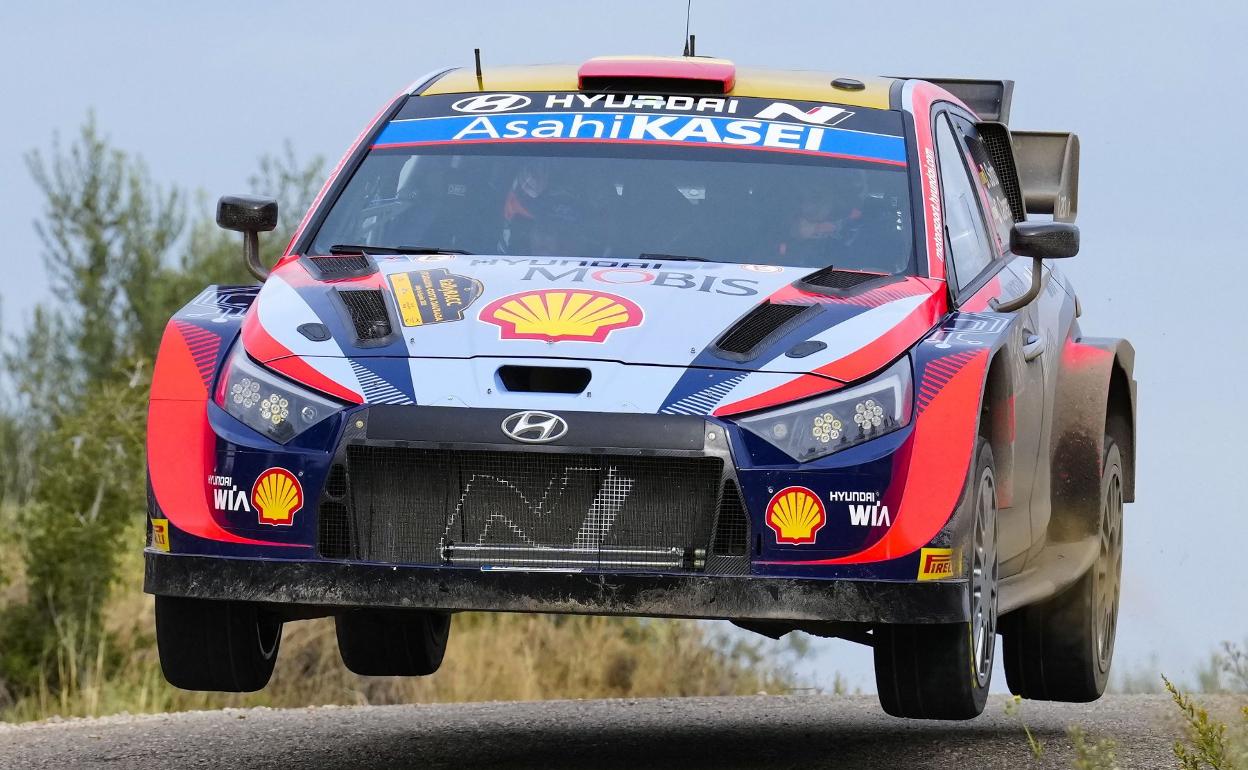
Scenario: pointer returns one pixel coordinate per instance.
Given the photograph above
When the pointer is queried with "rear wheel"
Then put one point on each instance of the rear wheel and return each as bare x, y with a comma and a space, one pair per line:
1061, 649
216, 645
942, 671
392, 642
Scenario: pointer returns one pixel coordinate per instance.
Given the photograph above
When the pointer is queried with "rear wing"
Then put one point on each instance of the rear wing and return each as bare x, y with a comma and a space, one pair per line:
989, 99
1048, 172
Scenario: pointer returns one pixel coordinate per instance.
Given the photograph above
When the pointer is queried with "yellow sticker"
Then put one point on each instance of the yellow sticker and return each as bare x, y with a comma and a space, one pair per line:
935, 563
409, 308
160, 534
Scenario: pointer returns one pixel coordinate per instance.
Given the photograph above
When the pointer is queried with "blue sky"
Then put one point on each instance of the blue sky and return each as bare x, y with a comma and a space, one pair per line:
201, 90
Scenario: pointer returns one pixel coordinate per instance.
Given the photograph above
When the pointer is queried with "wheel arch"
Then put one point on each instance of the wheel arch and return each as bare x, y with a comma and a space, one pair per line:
1095, 397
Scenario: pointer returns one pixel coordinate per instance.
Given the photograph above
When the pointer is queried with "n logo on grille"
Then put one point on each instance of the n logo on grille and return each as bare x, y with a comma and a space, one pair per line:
534, 427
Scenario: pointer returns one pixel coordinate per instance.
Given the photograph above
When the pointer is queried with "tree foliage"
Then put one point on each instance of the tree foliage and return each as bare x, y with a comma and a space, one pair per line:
73, 420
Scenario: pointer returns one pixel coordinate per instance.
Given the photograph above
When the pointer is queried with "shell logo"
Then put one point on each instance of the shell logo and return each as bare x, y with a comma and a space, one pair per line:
796, 515
553, 315
276, 496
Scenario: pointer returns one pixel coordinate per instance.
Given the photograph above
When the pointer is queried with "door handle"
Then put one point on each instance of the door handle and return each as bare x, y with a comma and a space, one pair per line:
1033, 347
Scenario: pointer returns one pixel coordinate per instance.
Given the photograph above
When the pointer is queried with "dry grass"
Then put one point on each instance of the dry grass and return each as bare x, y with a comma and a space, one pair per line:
490, 657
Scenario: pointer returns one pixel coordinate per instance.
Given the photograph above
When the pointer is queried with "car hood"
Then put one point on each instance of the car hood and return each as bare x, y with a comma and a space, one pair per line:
320, 315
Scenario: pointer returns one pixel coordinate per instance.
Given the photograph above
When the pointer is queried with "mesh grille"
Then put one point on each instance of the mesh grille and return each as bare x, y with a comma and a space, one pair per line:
368, 313
1002, 157
731, 526
346, 265
840, 280
755, 327
523, 509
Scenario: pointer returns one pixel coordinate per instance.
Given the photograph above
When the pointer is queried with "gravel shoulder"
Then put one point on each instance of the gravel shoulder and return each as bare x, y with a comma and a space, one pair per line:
739, 732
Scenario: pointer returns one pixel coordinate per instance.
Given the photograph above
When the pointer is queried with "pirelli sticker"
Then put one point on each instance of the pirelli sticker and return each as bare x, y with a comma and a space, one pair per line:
936, 564
433, 296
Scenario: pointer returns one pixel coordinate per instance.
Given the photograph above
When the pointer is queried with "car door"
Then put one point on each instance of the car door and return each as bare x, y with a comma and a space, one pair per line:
978, 221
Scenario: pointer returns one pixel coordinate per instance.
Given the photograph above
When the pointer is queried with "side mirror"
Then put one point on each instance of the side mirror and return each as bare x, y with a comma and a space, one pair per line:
250, 216
1040, 241
1044, 240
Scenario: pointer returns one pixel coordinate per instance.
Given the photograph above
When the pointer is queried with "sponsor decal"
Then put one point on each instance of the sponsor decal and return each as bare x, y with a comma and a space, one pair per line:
160, 534
764, 268
277, 495
492, 103
933, 203
864, 508
433, 296
226, 496
796, 515
822, 114
646, 128
632, 276
935, 563
555, 315
641, 102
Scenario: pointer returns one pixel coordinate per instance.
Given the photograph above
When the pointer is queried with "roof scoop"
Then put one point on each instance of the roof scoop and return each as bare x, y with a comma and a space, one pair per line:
658, 74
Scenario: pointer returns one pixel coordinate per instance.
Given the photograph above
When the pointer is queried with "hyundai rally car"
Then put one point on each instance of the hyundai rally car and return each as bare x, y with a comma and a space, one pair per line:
657, 337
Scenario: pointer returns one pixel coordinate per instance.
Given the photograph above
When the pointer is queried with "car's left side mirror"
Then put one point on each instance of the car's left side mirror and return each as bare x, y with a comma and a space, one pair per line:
1040, 241
1044, 240
249, 215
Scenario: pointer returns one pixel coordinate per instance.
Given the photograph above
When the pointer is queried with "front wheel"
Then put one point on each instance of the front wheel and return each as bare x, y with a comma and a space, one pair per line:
216, 645
393, 642
942, 671
1061, 648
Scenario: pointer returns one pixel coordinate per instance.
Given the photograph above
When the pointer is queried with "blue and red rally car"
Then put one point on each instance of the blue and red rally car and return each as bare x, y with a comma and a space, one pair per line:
657, 337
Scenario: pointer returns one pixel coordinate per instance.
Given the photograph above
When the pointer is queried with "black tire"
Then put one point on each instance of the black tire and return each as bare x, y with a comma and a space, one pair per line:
1061, 649
393, 642
216, 645
943, 671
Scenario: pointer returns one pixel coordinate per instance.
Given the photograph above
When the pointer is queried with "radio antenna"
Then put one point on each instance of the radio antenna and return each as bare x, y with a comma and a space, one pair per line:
476, 54
688, 38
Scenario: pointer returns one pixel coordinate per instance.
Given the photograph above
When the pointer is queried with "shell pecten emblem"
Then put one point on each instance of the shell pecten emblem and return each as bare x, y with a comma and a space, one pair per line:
276, 496
554, 315
796, 515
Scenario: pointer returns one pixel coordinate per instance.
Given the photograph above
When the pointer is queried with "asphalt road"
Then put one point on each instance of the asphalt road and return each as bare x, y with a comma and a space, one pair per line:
764, 731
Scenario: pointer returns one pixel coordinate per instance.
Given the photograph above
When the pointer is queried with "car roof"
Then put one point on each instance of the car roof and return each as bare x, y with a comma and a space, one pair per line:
794, 85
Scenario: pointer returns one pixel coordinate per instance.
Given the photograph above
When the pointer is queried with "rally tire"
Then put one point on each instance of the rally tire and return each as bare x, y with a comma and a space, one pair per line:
943, 671
392, 642
1061, 649
221, 646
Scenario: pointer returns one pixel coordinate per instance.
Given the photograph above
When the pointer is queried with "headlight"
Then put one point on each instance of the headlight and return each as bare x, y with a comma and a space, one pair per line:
271, 405
821, 426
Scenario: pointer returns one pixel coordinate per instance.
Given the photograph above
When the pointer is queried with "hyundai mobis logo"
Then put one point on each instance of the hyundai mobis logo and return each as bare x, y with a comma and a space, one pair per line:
534, 427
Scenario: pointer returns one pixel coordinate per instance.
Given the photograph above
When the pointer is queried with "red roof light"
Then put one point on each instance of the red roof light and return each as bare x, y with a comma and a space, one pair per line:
683, 74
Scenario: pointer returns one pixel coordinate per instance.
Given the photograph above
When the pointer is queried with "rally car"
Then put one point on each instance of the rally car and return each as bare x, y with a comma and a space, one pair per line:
658, 337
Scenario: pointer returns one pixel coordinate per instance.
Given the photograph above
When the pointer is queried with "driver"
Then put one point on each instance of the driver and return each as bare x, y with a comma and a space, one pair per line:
827, 215
542, 216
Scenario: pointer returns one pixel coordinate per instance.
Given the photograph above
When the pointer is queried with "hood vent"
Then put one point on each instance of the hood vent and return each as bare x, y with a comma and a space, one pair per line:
831, 278
367, 309
745, 340
341, 266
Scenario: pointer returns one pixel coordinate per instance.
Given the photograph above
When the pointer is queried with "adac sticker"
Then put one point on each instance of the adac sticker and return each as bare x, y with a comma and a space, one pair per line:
796, 515
277, 495
935, 563
433, 296
554, 315
160, 534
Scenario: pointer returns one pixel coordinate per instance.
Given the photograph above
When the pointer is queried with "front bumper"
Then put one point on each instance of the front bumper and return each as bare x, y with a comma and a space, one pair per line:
310, 588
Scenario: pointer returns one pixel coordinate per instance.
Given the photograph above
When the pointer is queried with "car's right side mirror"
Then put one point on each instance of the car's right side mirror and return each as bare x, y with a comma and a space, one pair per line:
1044, 240
250, 216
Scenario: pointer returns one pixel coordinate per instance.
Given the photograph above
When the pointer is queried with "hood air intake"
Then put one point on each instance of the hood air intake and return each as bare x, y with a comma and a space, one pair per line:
341, 266
367, 309
745, 340
830, 278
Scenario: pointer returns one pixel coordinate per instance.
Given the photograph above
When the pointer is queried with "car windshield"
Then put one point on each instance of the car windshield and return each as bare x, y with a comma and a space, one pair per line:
624, 184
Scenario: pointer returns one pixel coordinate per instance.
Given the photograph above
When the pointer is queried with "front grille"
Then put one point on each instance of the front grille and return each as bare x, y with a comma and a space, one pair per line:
524, 509
748, 334
367, 308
